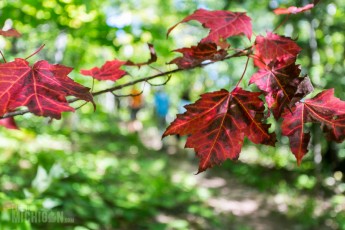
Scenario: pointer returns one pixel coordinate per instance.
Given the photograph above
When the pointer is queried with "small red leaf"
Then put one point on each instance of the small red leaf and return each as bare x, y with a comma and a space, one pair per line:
8, 123
109, 71
273, 48
325, 109
10, 33
195, 55
222, 24
42, 88
218, 122
294, 9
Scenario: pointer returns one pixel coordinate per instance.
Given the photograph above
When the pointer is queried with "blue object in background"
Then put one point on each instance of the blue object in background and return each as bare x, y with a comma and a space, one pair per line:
162, 103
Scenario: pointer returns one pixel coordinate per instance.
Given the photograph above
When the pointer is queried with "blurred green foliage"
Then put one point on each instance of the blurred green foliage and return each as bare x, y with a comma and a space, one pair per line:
102, 179
99, 174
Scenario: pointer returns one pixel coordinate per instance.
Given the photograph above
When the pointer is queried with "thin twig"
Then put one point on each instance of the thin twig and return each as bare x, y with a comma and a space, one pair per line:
128, 95
15, 113
37, 51
282, 23
80, 106
3, 57
244, 72
164, 83
155, 69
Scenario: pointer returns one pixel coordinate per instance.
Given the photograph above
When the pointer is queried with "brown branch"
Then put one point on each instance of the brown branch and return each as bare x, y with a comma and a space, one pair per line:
128, 95
282, 23
36, 52
237, 54
146, 79
3, 57
160, 84
244, 71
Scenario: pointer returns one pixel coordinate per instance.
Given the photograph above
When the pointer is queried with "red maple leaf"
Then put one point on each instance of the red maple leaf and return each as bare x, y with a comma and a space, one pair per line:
273, 48
282, 85
195, 55
8, 123
109, 71
218, 122
222, 24
325, 109
10, 33
294, 9
42, 88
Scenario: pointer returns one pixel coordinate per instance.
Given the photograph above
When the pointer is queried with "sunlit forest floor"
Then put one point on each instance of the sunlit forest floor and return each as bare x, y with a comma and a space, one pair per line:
106, 175
236, 203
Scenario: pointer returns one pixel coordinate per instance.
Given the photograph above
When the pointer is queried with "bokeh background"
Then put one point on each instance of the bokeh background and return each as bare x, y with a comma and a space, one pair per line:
107, 171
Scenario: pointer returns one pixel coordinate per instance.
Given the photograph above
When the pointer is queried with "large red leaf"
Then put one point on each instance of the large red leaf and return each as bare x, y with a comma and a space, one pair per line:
294, 9
273, 48
195, 55
42, 88
281, 82
222, 24
109, 71
325, 109
10, 33
218, 122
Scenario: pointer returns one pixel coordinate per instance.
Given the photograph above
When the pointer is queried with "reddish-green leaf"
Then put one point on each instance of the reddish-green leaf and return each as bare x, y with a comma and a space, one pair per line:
10, 33
42, 88
195, 55
294, 9
222, 24
274, 48
218, 122
109, 71
325, 109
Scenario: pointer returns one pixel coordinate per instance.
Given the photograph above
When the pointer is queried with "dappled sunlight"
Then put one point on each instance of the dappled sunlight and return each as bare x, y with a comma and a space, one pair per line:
151, 138
236, 207
214, 182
